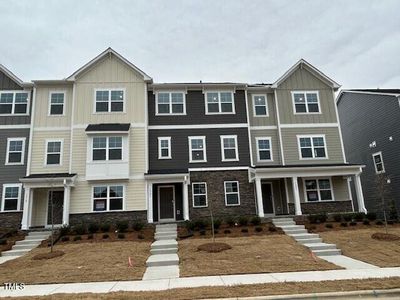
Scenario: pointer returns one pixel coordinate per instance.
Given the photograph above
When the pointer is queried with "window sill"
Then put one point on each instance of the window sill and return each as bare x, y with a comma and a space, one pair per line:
107, 211
197, 161
314, 158
307, 113
10, 211
14, 164
229, 205
163, 158
222, 113
163, 115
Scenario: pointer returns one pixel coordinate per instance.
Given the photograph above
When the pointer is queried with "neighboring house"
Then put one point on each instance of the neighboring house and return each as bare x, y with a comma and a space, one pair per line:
370, 121
15, 112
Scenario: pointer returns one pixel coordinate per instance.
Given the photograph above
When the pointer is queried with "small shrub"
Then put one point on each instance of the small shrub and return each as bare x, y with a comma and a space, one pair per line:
188, 224
64, 230
366, 222
353, 223
140, 236
80, 229
137, 226
105, 227
230, 221
122, 226
65, 239
216, 231
312, 227
343, 224
243, 221
227, 231
202, 232
378, 222
348, 217
329, 225
105, 236
217, 224
359, 216
337, 217
390, 222
77, 238
90, 236
313, 219
272, 228
371, 216
258, 229
201, 224
93, 227
3, 242
256, 220
245, 230
121, 236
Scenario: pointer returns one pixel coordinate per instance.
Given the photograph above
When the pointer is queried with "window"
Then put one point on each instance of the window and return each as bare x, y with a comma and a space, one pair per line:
164, 147
232, 193
318, 190
312, 147
260, 107
109, 100
107, 148
106, 198
229, 148
15, 151
53, 152
56, 103
378, 163
199, 194
197, 149
13, 103
264, 152
220, 103
11, 197
170, 103
305, 102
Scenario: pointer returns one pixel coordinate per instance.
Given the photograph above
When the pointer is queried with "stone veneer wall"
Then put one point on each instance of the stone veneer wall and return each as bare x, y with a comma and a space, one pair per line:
10, 220
216, 194
323, 207
108, 217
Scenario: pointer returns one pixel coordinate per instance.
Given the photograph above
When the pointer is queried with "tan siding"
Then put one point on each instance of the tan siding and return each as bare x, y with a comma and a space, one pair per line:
291, 149
79, 149
39, 151
273, 134
137, 146
340, 188
262, 121
39, 208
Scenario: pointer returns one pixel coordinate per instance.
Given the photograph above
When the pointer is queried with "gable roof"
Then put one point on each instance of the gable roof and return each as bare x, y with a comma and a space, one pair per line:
100, 56
313, 69
14, 77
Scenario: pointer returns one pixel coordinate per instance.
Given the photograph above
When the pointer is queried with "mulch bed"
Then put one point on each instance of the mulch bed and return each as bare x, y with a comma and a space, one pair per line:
315, 228
214, 247
380, 236
49, 255
11, 241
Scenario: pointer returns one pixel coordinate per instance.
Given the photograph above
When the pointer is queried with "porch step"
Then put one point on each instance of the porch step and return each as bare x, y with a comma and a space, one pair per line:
165, 237
166, 227
32, 233
36, 237
310, 241
292, 226
159, 260
283, 222
327, 252
303, 236
164, 244
29, 242
295, 231
15, 252
25, 246
163, 251
320, 246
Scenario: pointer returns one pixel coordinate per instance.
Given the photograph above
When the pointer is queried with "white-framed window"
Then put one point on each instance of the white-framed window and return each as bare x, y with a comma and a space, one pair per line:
109, 100
15, 151
11, 197
312, 147
170, 103
306, 102
197, 149
318, 190
229, 148
378, 163
264, 149
14, 102
199, 193
107, 148
219, 102
108, 197
164, 147
260, 105
56, 103
54, 150
232, 196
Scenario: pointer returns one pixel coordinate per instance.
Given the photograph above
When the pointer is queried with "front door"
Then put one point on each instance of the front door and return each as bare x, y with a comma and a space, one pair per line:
268, 199
55, 208
166, 203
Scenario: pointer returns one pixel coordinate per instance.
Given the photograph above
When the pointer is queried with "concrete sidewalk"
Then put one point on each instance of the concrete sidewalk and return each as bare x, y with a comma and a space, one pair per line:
190, 282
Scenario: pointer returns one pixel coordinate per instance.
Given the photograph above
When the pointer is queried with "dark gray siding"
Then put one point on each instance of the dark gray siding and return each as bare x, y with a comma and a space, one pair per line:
195, 111
6, 83
180, 148
366, 118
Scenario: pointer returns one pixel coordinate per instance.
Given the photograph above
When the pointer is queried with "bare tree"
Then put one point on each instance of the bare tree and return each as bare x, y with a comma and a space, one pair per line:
382, 183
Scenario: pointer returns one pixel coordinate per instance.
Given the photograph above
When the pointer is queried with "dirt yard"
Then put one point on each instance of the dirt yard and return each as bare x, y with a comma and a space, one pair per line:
358, 244
254, 254
83, 262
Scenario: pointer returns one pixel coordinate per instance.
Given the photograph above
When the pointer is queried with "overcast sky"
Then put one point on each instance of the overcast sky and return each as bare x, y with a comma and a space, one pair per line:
357, 43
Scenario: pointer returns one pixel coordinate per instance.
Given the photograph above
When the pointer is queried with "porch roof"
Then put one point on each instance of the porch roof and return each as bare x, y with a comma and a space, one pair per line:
48, 179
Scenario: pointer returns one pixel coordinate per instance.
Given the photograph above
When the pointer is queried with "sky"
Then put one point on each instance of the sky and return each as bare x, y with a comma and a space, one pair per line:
356, 43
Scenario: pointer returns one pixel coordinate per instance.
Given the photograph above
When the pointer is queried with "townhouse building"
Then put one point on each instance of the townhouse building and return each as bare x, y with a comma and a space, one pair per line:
15, 118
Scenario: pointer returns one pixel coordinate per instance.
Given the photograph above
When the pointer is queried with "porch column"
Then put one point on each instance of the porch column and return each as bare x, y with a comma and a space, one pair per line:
260, 206
27, 207
150, 202
186, 200
296, 196
359, 192
67, 195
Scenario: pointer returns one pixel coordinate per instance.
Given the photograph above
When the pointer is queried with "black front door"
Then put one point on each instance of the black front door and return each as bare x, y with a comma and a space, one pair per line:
166, 202
267, 198
55, 206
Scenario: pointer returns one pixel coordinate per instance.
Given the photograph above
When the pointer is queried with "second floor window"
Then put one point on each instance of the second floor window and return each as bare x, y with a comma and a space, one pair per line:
15, 151
107, 148
229, 148
56, 103
264, 149
53, 153
306, 102
378, 163
13, 103
170, 103
164, 147
109, 101
260, 107
220, 103
197, 149
312, 147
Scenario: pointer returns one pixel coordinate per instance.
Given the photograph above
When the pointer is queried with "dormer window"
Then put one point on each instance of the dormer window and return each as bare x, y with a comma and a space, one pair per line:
220, 103
170, 103
109, 100
13, 103
306, 102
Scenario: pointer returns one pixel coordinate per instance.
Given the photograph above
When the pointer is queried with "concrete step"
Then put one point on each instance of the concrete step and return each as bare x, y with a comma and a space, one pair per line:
164, 244
166, 233
24, 247
292, 226
282, 219
159, 260
283, 223
165, 237
164, 251
310, 241
29, 242
36, 237
166, 227
39, 233
165, 272
302, 236
320, 246
14, 252
295, 231
327, 252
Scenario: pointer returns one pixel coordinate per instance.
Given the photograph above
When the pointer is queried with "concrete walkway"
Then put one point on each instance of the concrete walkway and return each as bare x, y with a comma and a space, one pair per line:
204, 281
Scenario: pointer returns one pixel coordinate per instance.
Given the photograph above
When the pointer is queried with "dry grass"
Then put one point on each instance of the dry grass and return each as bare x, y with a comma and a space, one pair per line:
255, 254
358, 244
82, 262
239, 291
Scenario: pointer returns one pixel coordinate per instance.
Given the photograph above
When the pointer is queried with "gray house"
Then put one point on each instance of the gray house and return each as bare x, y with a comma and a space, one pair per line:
15, 111
370, 121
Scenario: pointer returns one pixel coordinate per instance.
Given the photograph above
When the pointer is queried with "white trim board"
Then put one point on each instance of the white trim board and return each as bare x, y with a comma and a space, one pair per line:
18, 126
198, 126
309, 125
272, 127
217, 169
